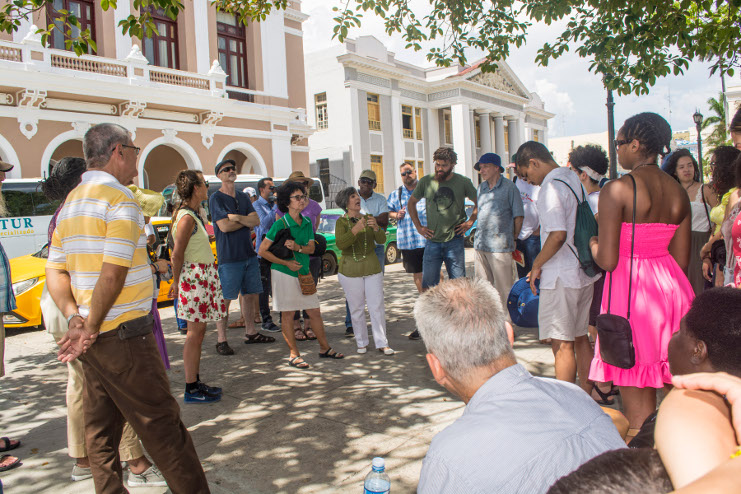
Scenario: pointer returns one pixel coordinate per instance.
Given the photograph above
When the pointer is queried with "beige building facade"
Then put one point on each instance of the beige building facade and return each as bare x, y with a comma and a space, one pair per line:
201, 89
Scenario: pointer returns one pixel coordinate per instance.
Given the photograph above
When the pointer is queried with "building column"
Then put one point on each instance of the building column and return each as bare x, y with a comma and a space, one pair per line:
273, 40
123, 41
282, 159
499, 137
355, 151
433, 137
474, 150
462, 136
521, 133
485, 124
512, 137
398, 143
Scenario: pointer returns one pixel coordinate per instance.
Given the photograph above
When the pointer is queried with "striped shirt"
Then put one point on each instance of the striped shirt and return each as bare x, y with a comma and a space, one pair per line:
102, 222
407, 236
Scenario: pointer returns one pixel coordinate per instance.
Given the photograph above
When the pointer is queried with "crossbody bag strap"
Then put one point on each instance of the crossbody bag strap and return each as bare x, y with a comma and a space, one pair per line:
705, 207
632, 245
577, 204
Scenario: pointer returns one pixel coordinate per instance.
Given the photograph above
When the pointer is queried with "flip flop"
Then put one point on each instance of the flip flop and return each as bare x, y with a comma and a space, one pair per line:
14, 464
9, 444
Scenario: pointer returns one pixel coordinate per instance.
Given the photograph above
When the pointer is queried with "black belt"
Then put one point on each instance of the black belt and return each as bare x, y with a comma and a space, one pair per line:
132, 328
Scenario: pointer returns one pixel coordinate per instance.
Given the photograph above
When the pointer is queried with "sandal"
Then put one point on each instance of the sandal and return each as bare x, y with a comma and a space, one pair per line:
223, 348
257, 338
333, 355
8, 444
10, 465
298, 363
604, 397
236, 324
299, 334
309, 334
258, 320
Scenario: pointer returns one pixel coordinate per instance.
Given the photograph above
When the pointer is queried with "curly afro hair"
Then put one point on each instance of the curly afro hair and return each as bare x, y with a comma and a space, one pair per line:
722, 170
590, 156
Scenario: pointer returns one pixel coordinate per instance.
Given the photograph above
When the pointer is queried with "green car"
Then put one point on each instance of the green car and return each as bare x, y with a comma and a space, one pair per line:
327, 221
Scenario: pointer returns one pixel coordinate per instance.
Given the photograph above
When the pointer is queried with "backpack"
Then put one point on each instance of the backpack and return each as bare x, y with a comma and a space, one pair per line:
585, 228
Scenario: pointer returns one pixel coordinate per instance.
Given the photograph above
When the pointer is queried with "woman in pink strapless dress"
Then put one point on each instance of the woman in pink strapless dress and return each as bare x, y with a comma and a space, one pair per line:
661, 293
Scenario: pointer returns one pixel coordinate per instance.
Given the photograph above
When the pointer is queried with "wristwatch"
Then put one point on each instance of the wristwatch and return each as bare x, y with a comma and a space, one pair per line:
76, 314
300, 247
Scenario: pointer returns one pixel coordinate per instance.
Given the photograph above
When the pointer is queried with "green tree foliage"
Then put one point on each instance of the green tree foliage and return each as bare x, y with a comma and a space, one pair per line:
630, 43
139, 24
719, 136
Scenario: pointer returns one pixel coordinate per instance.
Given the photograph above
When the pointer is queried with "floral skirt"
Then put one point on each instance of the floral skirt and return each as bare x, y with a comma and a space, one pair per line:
199, 294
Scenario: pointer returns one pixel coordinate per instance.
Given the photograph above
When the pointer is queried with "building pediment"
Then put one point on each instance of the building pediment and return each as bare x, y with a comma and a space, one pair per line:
499, 81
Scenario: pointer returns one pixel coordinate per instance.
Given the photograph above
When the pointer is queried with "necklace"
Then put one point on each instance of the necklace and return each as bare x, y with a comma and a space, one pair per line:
643, 164
365, 242
690, 186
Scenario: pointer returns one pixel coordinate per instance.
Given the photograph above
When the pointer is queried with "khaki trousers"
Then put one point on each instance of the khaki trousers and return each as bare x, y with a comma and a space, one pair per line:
499, 269
125, 380
130, 447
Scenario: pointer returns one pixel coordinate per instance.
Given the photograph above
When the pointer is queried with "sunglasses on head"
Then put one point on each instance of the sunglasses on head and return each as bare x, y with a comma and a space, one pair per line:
227, 169
406, 173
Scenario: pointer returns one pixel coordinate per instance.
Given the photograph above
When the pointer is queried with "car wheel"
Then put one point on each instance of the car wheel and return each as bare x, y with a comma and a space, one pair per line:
392, 253
469, 239
329, 264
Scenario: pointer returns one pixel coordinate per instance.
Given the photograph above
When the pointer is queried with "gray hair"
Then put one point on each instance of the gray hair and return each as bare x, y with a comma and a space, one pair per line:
462, 323
343, 196
99, 143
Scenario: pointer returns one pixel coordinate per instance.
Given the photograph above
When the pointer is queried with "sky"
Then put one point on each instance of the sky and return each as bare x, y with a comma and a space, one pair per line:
566, 86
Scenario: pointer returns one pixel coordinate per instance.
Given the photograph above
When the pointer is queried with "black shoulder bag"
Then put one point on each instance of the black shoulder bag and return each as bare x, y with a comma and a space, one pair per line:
614, 332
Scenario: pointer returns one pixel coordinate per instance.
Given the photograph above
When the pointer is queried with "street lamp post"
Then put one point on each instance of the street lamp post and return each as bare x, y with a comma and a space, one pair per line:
697, 117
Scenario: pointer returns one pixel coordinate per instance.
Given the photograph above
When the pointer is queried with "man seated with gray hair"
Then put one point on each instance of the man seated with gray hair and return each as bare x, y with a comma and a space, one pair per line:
518, 433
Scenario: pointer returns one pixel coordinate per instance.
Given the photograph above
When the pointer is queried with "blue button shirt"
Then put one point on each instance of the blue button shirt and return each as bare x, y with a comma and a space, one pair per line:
518, 434
498, 208
407, 236
266, 212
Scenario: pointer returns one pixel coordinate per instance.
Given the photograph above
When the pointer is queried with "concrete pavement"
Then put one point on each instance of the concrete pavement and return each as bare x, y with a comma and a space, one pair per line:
277, 429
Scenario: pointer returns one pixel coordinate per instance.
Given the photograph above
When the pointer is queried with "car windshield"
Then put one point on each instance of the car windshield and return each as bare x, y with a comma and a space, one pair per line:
327, 223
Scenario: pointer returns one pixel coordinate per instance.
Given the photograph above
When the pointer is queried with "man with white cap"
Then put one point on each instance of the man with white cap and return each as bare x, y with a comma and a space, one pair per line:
499, 222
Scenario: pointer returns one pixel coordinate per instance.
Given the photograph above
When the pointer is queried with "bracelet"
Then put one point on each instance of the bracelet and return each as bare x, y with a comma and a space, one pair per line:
72, 316
299, 248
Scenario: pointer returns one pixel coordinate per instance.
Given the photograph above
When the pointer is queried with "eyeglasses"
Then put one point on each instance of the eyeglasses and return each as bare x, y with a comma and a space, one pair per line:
408, 172
620, 142
272, 188
367, 181
136, 149
227, 169
300, 198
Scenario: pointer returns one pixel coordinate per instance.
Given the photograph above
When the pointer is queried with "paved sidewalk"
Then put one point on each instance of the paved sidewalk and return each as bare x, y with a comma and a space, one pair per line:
277, 429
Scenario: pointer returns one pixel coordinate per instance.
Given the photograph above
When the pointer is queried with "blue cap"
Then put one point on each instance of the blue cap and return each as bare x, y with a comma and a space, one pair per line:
224, 163
522, 304
490, 158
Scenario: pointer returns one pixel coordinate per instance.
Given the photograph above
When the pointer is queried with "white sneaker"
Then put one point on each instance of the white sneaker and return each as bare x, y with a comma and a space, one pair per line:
388, 351
149, 477
362, 350
81, 473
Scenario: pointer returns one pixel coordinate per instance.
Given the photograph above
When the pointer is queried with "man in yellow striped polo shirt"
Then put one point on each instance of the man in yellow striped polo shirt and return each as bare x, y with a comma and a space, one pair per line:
99, 277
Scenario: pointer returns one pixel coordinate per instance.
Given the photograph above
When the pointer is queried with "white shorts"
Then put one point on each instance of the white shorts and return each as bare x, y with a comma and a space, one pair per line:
563, 313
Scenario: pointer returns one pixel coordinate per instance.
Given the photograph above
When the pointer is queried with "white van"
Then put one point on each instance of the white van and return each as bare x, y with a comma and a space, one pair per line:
26, 229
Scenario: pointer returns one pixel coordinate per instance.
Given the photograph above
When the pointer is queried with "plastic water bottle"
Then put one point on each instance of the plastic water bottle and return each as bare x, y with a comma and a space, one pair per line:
377, 482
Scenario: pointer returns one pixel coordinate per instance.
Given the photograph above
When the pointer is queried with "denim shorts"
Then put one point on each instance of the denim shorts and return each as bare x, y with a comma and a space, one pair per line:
240, 277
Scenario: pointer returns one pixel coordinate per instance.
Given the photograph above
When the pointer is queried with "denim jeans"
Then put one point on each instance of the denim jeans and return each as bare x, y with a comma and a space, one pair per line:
530, 248
436, 253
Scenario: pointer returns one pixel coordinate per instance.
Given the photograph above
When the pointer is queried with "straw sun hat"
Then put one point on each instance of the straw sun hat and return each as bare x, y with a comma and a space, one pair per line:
149, 200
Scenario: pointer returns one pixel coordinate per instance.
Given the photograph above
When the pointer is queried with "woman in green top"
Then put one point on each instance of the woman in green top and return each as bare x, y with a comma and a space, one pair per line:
360, 275
291, 199
195, 281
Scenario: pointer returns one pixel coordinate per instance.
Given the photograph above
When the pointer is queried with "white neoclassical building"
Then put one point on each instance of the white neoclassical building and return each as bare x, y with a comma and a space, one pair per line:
203, 88
371, 110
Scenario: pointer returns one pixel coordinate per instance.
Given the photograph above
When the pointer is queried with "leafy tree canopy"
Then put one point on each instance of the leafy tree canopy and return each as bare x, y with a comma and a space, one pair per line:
630, 43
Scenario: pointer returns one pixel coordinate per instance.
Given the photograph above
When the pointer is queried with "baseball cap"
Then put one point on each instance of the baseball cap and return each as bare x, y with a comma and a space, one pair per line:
250, 191
224, 163
368, 174
5, 167
490, 158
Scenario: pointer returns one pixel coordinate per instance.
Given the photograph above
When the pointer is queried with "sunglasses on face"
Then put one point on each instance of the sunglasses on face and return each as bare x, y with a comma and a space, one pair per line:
300, 197
227, 169
406, 173
620, 142
367, 181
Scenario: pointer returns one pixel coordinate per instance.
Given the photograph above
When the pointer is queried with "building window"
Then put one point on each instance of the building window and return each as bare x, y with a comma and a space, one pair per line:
407, 123
161, 48
477, 127
374, 112
84, 10
536, 135
377, 167
418, 123
232, 49
320, 102
420, 169
447, 130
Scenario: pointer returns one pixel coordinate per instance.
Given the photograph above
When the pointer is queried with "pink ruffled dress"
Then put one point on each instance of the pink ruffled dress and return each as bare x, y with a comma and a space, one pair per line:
661, 296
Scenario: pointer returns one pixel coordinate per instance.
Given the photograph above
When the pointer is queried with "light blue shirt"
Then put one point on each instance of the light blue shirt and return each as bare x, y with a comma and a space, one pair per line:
266, 212
375, 205
518, 434
495, 223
